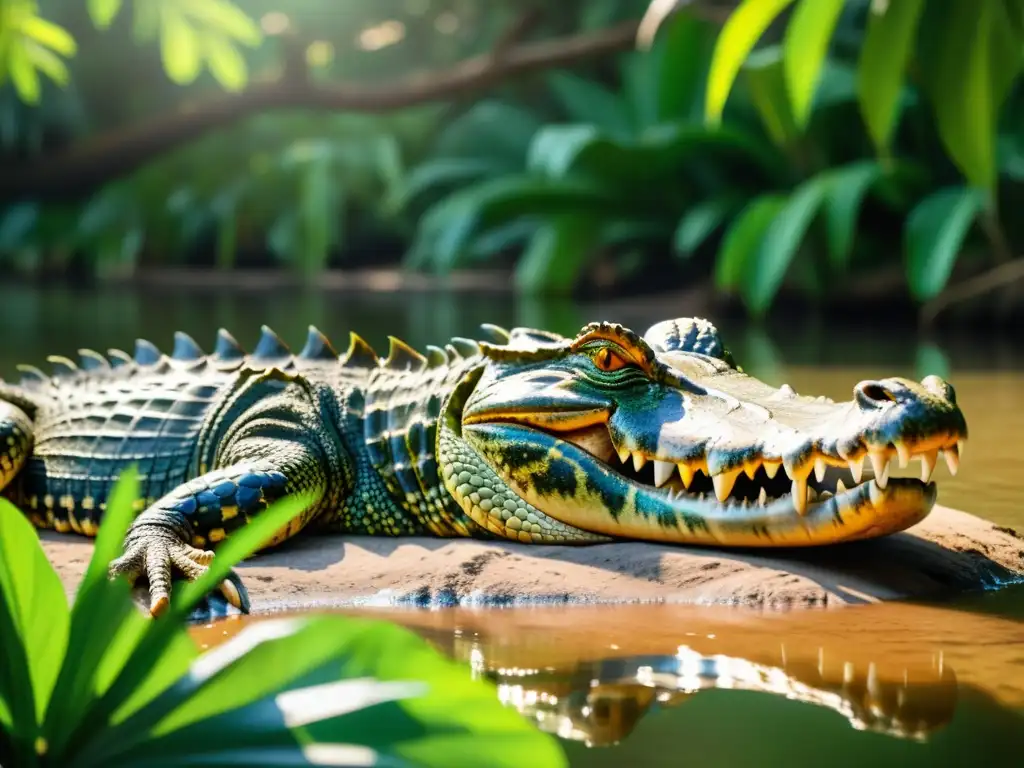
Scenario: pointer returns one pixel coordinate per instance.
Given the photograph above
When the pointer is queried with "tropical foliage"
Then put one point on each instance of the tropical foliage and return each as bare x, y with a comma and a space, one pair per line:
799, 144
99, 684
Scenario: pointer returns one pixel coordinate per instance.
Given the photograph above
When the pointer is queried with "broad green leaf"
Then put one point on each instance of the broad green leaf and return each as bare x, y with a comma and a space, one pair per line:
34, 597
47, 62
885, 53
590, 102
680, 61
224, 17
179, 46
557, 254
226, 62
934, 234
805, 48
23, 73
104, 11
850, 185
781, 241
490, 130
700, 221
741, 241
49, 34
441, 174
737, 39
958, 60
555, 148
766, 80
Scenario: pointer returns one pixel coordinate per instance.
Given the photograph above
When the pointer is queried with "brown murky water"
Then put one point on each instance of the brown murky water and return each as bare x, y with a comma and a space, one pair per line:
634, 685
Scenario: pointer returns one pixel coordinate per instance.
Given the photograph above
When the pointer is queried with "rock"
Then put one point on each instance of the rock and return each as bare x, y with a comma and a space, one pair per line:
947, 553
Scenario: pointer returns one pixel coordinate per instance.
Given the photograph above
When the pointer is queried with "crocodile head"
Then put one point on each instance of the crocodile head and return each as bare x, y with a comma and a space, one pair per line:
663, 437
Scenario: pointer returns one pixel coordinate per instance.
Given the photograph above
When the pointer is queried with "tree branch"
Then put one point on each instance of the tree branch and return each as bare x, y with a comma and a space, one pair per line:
93, 162
994, 279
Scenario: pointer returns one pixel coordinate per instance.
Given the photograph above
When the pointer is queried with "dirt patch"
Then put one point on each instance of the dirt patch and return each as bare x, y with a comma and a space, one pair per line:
947, 553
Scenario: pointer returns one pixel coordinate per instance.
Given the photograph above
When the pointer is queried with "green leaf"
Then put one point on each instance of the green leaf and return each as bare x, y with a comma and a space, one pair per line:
587, 101
49, 34
849, 187
739, 246
490, 130
885, 53
781, 241
766, 81
701, 221
23, 73
224, 17
680, 61
805, 49
441, 174
35, 599
179, 47
104, 11
959, 61
555, 148
226, 62
557, 254
739, 34
934, 234
47, 62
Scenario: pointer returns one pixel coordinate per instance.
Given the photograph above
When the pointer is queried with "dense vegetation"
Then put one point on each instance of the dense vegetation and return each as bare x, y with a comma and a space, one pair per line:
98, 684
801, 142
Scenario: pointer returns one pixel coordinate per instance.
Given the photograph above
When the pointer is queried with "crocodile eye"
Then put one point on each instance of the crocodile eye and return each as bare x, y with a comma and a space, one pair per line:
608, 361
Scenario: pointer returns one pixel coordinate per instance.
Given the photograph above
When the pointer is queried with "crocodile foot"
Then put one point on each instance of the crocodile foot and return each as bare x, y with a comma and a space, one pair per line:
155, 552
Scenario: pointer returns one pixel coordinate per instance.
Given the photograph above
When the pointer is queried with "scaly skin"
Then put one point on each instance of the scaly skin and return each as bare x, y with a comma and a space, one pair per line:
531, 437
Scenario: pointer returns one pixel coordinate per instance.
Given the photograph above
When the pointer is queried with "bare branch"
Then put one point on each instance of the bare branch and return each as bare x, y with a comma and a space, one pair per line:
994, 279
93, 162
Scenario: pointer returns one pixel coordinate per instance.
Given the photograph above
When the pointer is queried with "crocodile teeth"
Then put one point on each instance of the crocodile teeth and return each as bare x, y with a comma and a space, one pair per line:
686, 474
840, 487
819, 469
902, 454
876, 493
928, 460
960, 448
662, 472
880, 464
724, 482
750, 469
623, 454
638, 460
762, 497
952, 459
857, 469
771, 468
800, 495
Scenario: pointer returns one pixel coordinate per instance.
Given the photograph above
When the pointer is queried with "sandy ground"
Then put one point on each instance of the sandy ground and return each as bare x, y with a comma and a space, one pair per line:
948, 552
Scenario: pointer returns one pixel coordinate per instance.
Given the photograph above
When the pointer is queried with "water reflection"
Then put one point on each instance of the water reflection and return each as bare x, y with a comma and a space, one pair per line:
601, 702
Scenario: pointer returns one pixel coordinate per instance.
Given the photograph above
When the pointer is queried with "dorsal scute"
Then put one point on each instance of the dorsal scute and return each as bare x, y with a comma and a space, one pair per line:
185, 347
226, 347
466, 347
495, 333
119, 358
62, 366
91, 360
436, 357
31, 376
146, 352
402, 357
359, 354
270, 346
318, 346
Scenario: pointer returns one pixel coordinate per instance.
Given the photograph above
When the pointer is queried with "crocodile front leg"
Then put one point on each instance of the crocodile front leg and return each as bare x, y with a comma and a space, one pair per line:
174, 532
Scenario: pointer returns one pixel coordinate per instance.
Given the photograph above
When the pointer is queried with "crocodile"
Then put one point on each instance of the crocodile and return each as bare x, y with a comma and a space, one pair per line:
525, 435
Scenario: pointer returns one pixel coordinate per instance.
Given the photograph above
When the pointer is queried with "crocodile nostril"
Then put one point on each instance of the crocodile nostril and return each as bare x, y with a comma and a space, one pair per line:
873, 394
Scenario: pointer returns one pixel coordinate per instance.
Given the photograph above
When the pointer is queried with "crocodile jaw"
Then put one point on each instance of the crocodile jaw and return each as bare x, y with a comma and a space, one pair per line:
571, 484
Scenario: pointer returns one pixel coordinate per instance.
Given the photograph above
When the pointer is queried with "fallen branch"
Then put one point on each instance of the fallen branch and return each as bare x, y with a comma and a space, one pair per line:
93, 162
992, 280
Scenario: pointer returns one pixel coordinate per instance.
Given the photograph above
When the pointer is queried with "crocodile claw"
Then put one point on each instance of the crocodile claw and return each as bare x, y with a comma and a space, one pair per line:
155, 554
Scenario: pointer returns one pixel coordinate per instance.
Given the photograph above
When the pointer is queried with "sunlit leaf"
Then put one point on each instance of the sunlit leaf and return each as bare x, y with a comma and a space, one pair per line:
104, 11
744, 235
701, 221
555, 148
224, 17
846, 194
47, 62
49, 34
806, 45
179, 47
934, 234
885, 53
23, 73
35, 598
765, 78
226, 62
737, 39
781, 241
557, 254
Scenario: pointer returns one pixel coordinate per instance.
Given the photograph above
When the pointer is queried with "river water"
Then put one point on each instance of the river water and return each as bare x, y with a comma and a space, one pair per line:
894, 684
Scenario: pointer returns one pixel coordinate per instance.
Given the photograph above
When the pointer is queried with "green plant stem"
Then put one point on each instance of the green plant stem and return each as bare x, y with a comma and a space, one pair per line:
996, 235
